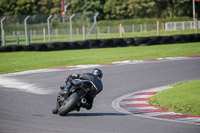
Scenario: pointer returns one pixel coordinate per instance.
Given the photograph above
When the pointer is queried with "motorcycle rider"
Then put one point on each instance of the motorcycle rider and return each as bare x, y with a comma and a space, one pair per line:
95, 77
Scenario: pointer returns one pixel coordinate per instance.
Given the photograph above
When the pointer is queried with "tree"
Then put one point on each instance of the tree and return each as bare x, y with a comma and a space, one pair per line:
93, 6
174, 8
49, 7
107, 9
119, 9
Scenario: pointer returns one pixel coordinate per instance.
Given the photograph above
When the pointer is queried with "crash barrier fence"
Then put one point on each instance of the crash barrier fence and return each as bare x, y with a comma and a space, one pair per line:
45, 28
181, 25
24, 30
104, 43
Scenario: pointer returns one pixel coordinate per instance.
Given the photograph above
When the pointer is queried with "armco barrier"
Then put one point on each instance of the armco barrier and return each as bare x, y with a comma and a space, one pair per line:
104, 43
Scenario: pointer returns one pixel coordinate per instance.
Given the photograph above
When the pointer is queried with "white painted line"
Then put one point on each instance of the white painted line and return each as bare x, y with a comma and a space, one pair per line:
88, 66
134, 102
30, 72
139, 108
139, 96
189, 119
8, 82
159, 113
157, 89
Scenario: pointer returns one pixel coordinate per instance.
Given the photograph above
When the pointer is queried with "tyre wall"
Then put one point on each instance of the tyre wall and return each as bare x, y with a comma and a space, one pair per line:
104, 43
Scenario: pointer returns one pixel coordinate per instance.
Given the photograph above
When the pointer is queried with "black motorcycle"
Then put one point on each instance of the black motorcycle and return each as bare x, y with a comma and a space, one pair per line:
74, 98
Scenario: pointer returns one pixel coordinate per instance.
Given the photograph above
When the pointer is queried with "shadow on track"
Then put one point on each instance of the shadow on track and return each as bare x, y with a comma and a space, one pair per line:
96, 114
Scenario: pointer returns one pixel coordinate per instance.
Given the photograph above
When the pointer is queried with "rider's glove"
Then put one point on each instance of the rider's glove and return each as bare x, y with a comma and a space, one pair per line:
62, 87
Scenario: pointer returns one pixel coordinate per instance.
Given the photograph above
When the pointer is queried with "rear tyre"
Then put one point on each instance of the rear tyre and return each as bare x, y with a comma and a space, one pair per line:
69, 104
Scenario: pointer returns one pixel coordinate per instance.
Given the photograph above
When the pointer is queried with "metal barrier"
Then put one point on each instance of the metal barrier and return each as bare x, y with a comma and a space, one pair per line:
25, 30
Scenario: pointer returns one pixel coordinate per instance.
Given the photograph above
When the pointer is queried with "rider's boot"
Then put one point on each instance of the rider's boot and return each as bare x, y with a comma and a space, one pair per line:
88, 106
55, 110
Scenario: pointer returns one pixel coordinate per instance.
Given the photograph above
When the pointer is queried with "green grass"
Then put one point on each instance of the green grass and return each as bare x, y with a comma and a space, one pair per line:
21, 61
183, 98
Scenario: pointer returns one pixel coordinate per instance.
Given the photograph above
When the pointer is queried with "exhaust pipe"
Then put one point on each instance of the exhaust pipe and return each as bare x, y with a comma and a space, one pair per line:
83, 100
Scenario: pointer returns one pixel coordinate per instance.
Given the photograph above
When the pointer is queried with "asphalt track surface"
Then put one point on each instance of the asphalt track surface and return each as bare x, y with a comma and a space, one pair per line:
24, 112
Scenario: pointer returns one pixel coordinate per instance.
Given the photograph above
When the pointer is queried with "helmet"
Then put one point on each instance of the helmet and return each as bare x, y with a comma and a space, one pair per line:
97, 72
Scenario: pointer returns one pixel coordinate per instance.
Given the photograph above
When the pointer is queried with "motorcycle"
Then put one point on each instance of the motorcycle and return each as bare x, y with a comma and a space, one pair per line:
74, 98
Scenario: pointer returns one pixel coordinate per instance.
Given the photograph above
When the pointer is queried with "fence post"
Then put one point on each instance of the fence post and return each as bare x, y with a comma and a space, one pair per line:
70, 19
145, 28
29, 37
83, 32
175, 26
2, 31
49, 32
108, 28
120, 30
95, 21
133, 27
34, 33
17, 37
44, 35
166, 27
183, 25
141, 28
25, 26
158, 28
196, 23
99, 30
94, 25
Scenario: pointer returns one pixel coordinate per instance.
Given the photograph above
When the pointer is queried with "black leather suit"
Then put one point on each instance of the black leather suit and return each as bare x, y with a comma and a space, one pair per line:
94, 90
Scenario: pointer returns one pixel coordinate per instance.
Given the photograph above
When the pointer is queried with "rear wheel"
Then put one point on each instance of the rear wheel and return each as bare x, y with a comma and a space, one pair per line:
69, 104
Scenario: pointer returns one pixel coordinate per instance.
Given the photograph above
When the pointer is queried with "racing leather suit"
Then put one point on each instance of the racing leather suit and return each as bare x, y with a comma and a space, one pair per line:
93, 91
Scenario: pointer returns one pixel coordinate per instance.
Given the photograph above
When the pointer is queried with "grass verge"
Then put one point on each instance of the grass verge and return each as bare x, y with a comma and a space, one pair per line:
183, 98
21, 61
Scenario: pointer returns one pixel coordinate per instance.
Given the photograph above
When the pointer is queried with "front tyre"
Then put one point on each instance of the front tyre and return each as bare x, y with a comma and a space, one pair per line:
69, 104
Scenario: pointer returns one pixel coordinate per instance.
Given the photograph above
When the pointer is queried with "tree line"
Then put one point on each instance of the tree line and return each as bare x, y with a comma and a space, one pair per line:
108, 9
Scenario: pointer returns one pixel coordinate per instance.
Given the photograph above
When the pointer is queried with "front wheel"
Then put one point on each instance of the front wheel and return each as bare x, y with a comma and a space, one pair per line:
69, 104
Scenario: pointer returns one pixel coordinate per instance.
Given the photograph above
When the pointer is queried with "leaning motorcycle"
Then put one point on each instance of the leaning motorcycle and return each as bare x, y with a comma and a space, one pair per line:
74, 98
